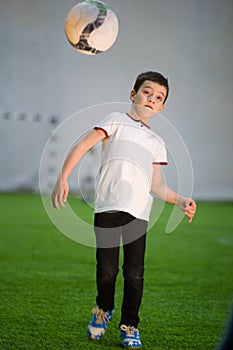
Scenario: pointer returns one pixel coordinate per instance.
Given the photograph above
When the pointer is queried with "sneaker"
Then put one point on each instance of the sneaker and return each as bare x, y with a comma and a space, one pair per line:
130, 337
98, 324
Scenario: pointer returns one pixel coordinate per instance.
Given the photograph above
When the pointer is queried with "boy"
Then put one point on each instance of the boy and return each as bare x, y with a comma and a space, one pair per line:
132, 156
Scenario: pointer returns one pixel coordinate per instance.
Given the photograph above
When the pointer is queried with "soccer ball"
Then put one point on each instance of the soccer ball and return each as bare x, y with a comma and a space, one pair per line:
91, 27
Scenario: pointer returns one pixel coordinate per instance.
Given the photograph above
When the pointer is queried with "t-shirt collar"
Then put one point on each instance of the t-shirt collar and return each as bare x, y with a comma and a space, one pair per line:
138, 120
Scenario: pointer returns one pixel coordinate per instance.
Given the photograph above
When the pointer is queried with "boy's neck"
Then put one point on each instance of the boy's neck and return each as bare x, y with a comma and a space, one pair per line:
136, 116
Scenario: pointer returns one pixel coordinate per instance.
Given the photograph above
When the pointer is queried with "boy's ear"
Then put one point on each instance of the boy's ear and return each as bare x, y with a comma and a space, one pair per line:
132, 95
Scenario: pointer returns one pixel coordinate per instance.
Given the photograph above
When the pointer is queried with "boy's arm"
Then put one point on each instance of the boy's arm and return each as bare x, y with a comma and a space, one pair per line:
160, 189
61, 189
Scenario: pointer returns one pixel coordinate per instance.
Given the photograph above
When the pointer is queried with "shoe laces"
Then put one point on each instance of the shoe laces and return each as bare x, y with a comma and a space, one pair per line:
101, 316
129, 330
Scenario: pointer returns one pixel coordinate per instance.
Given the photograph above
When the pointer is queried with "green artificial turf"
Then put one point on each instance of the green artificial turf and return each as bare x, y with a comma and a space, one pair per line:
47, 287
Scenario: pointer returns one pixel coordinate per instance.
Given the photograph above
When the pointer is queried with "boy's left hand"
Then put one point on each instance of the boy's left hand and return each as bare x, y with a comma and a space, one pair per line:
188, 205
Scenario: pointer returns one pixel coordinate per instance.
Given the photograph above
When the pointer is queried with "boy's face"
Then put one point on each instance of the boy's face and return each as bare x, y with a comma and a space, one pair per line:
149, 99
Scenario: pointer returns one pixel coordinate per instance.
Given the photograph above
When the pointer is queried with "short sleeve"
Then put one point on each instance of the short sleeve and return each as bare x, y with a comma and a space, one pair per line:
108, 125
160, 153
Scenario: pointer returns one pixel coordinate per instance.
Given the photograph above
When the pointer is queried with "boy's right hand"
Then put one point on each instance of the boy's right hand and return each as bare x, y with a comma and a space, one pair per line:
60, 193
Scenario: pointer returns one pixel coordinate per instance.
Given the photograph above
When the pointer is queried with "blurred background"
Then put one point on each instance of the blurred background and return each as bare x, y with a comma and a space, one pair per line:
44, 81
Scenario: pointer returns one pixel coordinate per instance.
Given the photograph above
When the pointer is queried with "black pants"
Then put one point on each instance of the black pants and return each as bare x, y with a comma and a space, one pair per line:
109, 228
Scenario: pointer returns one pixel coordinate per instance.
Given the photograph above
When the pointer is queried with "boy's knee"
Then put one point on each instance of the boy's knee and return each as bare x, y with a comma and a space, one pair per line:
133, 273
107, 273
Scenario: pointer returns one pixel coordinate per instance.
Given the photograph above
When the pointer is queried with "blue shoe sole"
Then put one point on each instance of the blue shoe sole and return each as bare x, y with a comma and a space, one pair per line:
131, 347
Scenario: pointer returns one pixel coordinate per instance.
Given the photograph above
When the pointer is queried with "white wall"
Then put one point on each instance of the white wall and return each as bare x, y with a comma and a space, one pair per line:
189, 41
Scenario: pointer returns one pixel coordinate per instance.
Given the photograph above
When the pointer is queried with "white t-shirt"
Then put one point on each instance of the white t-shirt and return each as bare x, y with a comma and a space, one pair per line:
128, 153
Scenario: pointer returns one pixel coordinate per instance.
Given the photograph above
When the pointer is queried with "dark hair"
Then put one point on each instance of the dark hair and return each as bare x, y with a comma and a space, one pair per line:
152, 76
